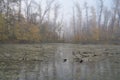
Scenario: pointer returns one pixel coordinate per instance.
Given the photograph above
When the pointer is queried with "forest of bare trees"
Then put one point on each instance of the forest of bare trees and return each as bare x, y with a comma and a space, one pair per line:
23, 21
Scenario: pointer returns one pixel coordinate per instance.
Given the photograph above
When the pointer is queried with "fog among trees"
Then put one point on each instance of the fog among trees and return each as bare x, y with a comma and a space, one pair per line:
23, 21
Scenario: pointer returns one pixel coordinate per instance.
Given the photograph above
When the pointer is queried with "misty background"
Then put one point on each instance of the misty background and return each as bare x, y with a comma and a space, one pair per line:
82, 21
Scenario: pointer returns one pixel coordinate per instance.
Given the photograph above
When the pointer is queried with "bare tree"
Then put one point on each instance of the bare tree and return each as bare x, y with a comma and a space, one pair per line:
79, 20
106, 14
2, 6
87, 21
27, 11
60, 28
56, 15
43, 13
19, 14
100, 11
115, 24
93, 25
74, 23
86, 10
100, 8
115, 10
56, 11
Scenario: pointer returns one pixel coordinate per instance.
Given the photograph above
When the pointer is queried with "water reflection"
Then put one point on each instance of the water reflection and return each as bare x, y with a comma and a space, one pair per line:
55, 68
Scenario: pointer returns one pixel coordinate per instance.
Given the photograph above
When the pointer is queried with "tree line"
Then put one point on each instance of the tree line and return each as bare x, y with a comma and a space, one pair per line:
96, 24
31, 21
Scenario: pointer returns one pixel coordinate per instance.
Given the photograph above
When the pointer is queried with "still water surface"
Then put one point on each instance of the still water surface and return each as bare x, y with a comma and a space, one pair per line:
53, 67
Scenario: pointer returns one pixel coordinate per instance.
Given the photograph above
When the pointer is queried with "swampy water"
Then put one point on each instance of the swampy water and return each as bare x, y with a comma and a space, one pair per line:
59, 62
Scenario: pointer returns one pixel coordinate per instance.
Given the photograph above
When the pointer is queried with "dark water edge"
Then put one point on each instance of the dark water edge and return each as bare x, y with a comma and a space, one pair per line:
47, 62
98, 42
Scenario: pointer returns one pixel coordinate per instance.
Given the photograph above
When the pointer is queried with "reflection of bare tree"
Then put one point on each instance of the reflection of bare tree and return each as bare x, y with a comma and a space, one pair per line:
73, 69
23, 72
47, 76
77, 72
38, 71
46, 70
75, 66
54, 68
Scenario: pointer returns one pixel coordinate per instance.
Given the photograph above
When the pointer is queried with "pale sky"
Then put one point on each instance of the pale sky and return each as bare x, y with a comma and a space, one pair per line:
67, 5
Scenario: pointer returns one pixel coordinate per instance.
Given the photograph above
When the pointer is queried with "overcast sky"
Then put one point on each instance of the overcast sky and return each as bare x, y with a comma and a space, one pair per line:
67, 5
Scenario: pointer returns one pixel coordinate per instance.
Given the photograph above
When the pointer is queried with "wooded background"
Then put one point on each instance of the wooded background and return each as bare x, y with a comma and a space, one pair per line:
24, 21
